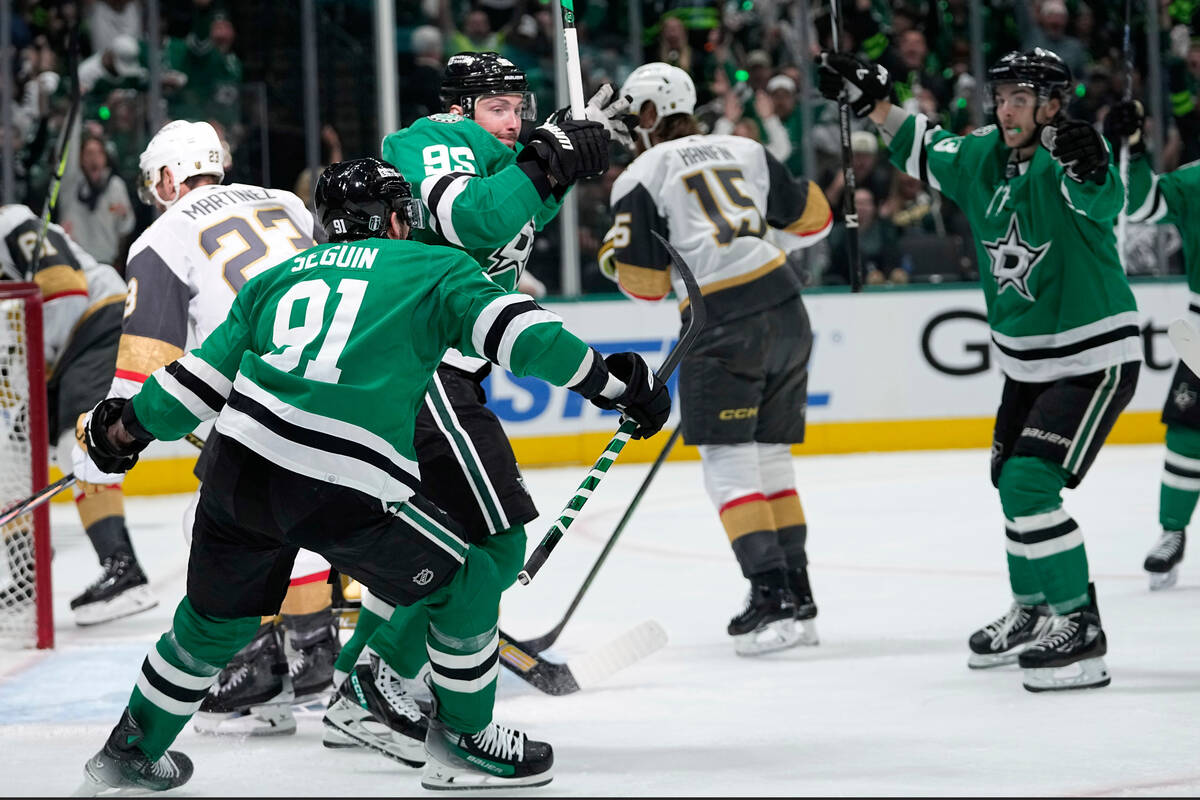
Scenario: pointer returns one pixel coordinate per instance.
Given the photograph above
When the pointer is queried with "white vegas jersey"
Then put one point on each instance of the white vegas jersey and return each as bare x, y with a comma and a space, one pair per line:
719, 200
74, 285
187, 267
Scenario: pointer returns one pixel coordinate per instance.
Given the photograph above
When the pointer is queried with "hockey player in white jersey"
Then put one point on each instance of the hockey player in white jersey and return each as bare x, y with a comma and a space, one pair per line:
82, 323
733, 211
184, 272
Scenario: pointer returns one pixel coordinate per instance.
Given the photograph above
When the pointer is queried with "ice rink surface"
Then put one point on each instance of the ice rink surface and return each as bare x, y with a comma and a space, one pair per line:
907, 559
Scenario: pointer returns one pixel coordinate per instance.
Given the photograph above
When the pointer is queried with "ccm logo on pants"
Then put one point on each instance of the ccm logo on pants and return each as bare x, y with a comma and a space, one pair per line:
737, 413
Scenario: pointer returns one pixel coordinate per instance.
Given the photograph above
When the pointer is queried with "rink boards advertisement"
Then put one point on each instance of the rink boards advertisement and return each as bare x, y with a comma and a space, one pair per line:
900, 369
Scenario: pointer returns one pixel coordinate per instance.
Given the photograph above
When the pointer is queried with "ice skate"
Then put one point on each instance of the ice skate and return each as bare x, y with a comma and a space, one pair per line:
1162, 562
495, 758
121, 590
1068, 654
768, 622
374, 708
311, 650
122, 768
253, 695
1000, 642
806, 606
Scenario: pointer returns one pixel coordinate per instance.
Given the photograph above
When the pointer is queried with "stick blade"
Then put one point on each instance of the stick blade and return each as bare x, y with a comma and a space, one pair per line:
632, 646
1186, 341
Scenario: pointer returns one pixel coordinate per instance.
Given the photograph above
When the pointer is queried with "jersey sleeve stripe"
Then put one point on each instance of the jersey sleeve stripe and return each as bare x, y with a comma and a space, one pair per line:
439, 196
590, 378
495, 334
519, 324
644, 283
483, 323
193, 385
926, 174
914, 165
60, 281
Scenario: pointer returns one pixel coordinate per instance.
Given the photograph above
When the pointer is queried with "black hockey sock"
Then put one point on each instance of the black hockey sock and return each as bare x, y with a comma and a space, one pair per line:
759, 551
109, 536
793, 539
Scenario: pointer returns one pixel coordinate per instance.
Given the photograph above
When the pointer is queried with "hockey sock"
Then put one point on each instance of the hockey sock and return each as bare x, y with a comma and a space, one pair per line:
1047, 561
791, 525
1181, 478
373, 613
179, 670
732, 477
401, 642
462, 643
507, 550
102, 512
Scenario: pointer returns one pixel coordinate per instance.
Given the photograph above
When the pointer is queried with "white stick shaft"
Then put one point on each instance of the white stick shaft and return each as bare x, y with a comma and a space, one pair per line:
1123, 217
574, 75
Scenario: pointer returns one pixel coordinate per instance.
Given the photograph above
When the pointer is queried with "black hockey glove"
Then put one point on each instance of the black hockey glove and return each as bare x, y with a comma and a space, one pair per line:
568, 151
1079, 148
610, 110
865, 83
112, 436
1123, 120
645, 399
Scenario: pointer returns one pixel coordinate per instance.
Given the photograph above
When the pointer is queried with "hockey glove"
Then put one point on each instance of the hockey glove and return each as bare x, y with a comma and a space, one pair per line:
112, 436
1123, 120
1079, 148
865, 83
568, 151
610, 111
644, 399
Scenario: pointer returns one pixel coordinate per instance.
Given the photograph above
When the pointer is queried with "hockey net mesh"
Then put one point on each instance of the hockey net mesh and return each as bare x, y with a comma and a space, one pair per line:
21, 411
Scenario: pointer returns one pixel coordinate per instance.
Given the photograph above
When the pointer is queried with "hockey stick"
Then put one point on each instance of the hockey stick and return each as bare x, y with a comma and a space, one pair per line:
618, 442
1123, 216
849, 209
586, 671
566, 8
60, 158
547, 639
43, 495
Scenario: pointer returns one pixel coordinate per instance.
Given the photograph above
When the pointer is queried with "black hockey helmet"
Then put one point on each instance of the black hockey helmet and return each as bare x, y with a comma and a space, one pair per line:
1039, 70
470, 75
355, 199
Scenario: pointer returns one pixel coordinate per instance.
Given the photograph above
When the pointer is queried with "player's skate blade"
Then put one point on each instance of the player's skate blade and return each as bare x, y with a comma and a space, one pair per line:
359, 728
334, 739
442, 777
1091, 673
985, 661
269, 719
126, 604
774, 636
1163, 580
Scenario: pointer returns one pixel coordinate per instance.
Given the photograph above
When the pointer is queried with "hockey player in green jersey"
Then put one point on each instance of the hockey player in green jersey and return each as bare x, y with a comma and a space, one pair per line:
1169, 199
486, 193
315, 379
1042, 195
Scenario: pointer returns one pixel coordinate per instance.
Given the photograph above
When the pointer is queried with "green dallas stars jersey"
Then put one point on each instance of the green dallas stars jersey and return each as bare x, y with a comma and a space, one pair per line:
324, 359
1171, 199
478, 197
1058, 301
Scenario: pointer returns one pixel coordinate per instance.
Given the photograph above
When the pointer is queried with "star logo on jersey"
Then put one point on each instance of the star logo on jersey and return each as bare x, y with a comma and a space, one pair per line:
1013, 260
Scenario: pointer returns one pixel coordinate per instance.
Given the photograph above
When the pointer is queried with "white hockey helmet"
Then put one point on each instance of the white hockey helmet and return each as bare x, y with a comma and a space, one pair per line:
188, 148
669, 88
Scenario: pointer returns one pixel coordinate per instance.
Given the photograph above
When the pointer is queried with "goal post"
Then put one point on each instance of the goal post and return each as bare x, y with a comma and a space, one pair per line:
26, 600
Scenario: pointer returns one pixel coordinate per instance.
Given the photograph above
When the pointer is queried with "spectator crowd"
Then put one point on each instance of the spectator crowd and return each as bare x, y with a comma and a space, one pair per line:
751, 61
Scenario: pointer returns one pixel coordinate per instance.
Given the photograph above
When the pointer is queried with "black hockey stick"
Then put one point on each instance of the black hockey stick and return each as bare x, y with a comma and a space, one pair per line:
849, 209
60, 158
586, 670
617, 443
547, 639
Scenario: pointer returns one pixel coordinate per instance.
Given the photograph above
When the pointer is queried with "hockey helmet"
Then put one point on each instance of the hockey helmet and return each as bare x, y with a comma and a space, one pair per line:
355, 198
469, 76
1039, 70
188, 148
669, 88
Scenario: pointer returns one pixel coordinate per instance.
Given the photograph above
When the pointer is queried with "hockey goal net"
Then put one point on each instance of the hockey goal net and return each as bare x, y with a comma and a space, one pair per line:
25, 600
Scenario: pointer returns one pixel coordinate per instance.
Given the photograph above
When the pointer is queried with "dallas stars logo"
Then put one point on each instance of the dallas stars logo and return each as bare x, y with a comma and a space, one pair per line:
1013, 260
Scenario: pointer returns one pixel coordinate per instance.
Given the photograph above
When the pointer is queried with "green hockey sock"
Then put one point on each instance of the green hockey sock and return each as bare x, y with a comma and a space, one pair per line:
1181, 478
373, 613
178, 671
1046, 557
